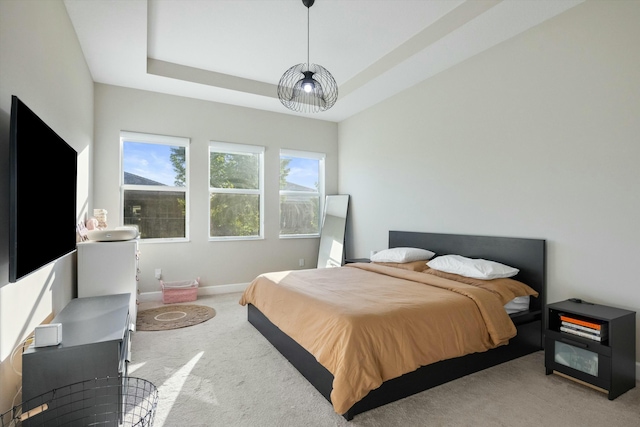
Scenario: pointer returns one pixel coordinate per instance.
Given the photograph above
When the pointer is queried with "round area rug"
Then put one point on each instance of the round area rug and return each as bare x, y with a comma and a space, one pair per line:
173, 317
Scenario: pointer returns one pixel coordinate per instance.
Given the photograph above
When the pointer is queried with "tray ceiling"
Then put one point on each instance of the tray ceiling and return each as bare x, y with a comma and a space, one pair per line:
235, 51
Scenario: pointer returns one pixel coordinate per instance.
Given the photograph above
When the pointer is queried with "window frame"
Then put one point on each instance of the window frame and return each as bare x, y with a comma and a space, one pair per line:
148, 138
236, 148
321, 157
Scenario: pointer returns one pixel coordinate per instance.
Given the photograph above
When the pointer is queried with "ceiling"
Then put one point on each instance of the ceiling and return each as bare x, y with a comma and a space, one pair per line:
235, 51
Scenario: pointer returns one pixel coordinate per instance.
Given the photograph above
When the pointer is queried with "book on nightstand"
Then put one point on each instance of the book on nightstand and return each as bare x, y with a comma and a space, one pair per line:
590, 329
580, 333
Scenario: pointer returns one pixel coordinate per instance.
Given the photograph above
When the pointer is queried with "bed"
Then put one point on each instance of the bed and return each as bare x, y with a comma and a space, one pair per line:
421, 365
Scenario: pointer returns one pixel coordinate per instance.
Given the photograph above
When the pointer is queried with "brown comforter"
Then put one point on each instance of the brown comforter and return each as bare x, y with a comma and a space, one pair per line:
367, 323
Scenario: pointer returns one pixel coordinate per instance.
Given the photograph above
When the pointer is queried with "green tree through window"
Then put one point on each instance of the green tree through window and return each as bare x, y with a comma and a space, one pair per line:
235, 190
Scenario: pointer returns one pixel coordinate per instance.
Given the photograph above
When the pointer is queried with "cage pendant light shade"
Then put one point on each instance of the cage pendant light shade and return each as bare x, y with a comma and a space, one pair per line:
307, 88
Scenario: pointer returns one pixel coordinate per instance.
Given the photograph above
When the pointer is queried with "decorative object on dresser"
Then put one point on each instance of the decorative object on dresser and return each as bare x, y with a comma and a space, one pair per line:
592, 344
106, 268
112, 235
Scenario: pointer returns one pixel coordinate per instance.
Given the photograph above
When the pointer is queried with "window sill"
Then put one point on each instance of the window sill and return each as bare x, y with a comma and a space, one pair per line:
234, 238
299, 236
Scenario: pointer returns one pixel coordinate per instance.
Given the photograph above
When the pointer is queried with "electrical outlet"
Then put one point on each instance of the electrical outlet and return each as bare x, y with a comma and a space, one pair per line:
158, 273
301, 262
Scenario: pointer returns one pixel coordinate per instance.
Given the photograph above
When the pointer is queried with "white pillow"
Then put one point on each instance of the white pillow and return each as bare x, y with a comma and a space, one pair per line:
517, 304
402, 255
469, 267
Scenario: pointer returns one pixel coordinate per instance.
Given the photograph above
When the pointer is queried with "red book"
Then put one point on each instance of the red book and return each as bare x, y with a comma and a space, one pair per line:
592, 325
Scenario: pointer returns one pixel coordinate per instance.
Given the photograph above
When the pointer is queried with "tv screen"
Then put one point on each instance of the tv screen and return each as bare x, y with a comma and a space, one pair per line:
42, 193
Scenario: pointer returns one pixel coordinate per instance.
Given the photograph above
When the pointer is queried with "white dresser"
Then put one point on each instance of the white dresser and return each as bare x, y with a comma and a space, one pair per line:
108, 268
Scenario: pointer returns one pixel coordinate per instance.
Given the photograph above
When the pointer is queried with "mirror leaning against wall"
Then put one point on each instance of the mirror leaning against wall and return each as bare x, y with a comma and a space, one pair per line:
332, 234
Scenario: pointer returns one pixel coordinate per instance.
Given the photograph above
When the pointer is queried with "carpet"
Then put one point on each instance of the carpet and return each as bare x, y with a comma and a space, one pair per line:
173, 317
224, 373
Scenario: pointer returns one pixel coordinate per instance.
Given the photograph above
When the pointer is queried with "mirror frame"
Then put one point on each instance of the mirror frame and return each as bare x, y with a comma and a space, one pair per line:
331, 252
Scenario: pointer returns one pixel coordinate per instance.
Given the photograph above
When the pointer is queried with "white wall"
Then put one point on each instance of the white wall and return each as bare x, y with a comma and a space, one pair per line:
40, 62
537, 137
216, 263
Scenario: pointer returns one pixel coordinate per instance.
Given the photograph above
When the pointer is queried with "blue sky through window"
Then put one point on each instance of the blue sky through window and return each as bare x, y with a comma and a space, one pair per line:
151, 161
303, 171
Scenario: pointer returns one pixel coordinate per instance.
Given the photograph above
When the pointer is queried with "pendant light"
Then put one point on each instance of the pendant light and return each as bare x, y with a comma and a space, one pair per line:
307, 88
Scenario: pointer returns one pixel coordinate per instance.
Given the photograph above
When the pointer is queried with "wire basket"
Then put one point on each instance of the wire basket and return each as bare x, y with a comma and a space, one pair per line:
109, 401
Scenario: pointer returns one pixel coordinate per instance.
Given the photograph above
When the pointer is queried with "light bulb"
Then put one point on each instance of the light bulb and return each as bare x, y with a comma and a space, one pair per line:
308, 87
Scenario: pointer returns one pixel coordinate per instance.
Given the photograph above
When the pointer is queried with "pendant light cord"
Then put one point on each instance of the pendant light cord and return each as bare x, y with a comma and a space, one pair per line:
308, 64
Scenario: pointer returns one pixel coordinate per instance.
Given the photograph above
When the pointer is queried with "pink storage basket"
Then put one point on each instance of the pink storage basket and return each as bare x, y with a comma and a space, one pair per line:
181, 291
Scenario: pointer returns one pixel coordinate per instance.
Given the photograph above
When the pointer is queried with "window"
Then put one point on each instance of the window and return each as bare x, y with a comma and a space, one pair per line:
301, 193
236, 197
154, 189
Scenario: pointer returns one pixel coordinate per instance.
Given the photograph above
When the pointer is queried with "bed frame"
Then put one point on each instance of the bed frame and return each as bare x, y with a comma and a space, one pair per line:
528, 255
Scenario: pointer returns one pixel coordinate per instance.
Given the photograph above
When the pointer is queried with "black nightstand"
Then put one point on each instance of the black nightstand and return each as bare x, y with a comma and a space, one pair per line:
593, 344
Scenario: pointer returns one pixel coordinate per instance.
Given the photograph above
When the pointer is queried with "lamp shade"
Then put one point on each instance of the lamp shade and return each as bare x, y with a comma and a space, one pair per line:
307, 88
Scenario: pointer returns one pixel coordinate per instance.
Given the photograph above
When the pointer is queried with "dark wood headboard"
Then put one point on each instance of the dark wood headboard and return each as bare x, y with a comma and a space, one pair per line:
527, 255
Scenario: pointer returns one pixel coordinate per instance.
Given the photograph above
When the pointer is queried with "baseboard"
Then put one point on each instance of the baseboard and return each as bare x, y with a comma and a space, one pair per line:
205, 290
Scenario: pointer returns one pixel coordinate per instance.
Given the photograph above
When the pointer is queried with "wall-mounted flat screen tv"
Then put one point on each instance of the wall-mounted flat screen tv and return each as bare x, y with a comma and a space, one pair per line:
42, 193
